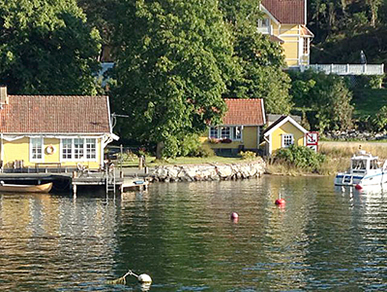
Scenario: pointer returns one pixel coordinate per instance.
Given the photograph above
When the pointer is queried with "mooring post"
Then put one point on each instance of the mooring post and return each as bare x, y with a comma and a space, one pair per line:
74, 190
74, 185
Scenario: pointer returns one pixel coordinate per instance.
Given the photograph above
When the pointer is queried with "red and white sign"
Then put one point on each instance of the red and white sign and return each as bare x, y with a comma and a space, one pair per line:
312, 140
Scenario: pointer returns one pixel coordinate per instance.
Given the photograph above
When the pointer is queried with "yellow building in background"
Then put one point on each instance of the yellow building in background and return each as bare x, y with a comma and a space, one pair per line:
285, 22
53, 131
241, 127
282, 133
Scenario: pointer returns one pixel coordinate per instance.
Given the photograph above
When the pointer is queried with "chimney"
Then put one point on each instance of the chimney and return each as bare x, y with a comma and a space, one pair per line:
3, 95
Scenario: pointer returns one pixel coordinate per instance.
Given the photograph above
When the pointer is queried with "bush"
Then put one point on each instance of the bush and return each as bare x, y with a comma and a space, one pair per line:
205, 151
301, 157
380, 120
248, 155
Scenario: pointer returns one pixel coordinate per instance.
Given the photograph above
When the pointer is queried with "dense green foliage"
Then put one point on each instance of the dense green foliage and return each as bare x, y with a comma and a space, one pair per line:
46, 47
171, 70
328, 96
301, 157
344, 28
260, 60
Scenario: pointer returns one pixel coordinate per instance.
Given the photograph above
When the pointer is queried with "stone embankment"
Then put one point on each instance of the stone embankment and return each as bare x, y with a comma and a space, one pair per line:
209, 172
356, 135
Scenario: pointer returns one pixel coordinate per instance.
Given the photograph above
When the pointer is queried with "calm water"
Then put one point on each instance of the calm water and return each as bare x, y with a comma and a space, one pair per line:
181, 235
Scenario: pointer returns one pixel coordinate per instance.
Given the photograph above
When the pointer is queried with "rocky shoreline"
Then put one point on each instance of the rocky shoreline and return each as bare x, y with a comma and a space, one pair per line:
208, 172
351, 135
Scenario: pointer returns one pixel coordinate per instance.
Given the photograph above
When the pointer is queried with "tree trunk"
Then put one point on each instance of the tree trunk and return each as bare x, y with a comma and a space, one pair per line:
159, 150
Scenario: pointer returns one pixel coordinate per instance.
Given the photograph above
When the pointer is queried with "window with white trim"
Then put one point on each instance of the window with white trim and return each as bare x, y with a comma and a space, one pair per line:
232, 132
67, 149
214, 132
36, 149
91, 148
225, 133
287, 140
237, 133
80, 149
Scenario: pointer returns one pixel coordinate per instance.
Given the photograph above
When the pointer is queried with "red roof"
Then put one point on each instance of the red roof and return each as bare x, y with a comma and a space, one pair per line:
244, 112
55, 114
287, 11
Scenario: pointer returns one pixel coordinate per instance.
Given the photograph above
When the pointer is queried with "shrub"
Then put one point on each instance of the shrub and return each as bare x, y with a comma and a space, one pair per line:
205, 151
380, 120
248, 155
301, 157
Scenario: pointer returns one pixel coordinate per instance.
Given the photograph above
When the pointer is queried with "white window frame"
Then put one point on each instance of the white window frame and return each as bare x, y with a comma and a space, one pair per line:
216, 133
235, 134
285, 138
225, 132
40, 139
81, 153
91, 151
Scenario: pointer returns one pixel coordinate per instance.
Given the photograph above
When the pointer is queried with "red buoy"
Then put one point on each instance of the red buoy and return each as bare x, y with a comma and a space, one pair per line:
358, 187
280, 202
234, 216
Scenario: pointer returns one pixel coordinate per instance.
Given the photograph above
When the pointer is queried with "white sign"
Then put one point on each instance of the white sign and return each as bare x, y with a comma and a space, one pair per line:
313, 147
312, 138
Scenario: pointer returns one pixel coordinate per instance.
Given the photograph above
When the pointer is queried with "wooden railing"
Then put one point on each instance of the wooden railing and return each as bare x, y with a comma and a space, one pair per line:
347, 69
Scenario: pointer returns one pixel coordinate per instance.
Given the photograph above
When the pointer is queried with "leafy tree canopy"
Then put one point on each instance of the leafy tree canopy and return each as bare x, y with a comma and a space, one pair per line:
344, 28
328, 96
261, 61
47, 48
172, 67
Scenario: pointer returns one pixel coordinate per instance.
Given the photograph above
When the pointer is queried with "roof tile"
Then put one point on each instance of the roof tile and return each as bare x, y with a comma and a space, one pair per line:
287, 11
55, 114
244, 112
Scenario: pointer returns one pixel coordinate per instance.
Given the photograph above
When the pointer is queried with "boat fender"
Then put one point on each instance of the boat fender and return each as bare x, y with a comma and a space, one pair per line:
358, 187
144, 279
50, 149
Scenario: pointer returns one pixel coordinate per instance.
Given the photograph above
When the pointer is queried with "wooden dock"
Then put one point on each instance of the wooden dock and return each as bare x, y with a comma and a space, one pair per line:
70, 182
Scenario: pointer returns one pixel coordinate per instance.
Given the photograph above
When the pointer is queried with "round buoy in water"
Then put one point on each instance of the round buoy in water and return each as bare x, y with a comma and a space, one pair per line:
144, 279
234, 215
280, 202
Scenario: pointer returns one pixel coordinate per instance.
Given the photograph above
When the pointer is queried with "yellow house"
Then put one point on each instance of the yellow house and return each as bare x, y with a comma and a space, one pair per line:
282, 133
240, 129
285, 22
38, 131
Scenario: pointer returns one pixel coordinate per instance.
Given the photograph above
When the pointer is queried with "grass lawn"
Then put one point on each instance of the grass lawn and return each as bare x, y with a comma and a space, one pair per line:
152, 162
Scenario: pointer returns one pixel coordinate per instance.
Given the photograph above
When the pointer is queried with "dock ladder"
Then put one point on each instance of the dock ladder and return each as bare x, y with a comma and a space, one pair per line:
110, 177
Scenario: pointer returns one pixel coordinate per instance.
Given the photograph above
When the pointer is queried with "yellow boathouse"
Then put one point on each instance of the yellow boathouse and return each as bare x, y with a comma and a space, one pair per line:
55, 131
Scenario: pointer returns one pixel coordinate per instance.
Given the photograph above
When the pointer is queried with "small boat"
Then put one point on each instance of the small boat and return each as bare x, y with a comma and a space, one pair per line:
365, 170
43, 188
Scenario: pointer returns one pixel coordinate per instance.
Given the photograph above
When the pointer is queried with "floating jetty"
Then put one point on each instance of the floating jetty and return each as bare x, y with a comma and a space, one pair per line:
111, 182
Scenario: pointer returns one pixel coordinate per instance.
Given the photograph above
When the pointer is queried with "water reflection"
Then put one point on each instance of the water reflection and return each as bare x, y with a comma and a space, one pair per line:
181, 234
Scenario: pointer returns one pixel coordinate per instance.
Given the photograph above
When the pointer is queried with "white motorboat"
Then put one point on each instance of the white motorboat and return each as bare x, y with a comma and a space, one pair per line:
365, 170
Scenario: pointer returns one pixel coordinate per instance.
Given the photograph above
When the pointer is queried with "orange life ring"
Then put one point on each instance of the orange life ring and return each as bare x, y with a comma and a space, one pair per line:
50, 149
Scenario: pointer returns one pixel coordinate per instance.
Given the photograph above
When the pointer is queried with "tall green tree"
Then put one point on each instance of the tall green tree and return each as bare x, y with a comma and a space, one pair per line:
344, 28
261, 61
46, 47
328, 96
173, 62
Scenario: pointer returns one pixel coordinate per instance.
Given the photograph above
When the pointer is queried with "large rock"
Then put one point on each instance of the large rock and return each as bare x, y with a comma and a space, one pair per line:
211, 172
